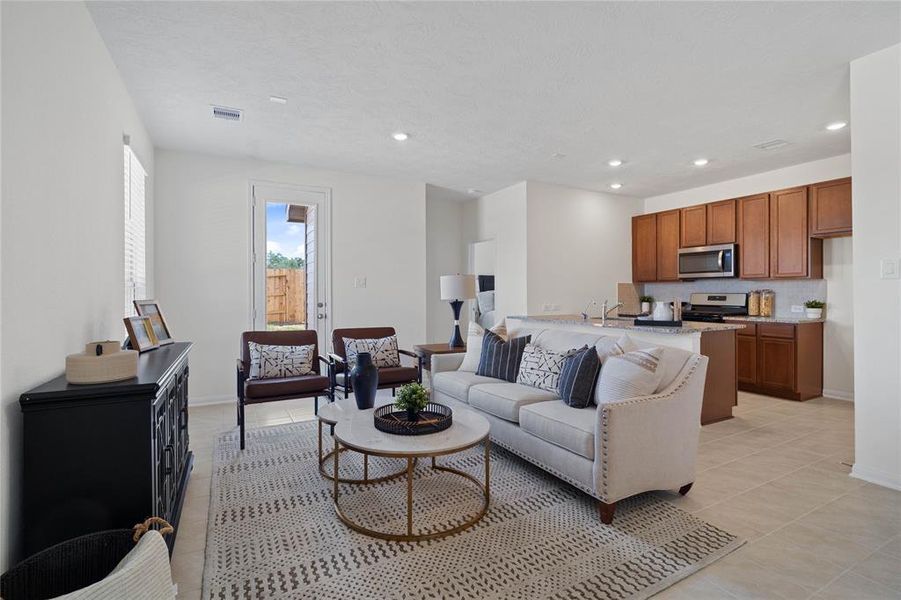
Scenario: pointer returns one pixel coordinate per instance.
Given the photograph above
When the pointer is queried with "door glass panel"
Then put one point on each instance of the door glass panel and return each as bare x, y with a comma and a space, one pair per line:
286, 266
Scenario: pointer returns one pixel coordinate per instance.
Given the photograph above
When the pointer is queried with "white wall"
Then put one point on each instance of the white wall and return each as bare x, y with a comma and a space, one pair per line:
64, 112
876, 148
203, 255
579, 247
838, 351
445, 255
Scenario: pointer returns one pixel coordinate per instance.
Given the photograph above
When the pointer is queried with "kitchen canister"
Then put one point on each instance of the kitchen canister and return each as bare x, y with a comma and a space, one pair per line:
754, 303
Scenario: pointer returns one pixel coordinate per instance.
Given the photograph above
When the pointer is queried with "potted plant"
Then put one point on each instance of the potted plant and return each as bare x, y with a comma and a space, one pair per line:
646, 302
814, 309
412, 397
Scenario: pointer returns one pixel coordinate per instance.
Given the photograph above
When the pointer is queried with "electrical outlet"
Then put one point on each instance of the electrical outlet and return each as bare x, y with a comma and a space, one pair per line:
797, 308
547, 307
888, 268
359, 282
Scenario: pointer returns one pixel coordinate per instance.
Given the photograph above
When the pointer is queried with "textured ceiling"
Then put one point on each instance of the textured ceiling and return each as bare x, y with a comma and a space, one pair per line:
489, 92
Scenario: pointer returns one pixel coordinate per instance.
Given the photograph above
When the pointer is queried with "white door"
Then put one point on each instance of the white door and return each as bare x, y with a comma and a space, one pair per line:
290, 258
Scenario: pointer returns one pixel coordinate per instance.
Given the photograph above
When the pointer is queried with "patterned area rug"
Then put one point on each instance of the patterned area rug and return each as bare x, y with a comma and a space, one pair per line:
273, 532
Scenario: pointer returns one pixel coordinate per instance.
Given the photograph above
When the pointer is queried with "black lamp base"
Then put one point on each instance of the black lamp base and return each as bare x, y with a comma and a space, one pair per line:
456, 340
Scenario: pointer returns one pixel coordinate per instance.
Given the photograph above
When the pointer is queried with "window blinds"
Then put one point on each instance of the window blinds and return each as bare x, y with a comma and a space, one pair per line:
135, 260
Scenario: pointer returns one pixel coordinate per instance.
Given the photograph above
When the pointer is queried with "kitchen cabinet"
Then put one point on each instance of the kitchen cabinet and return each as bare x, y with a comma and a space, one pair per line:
693, 228
780, 359
644, 248
830, 208
668, 245
792, 252
754, 236
721, 222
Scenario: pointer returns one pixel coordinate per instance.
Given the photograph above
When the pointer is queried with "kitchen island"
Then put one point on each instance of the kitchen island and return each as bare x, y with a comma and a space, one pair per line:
716, 341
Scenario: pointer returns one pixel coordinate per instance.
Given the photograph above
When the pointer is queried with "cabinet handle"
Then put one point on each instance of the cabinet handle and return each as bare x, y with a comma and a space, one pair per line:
167, 458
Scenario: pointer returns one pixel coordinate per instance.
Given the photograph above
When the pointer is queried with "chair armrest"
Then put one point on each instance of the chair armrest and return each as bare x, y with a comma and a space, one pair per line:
335, 359
408, 353
240, 366
241, 377
446, 362
650, 442
324, 360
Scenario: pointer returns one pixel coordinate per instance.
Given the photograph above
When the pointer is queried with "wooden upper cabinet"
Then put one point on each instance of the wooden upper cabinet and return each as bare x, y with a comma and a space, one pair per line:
830, 208
644, 248
789, 240
721, 222
668, 245
694, 226
754, 236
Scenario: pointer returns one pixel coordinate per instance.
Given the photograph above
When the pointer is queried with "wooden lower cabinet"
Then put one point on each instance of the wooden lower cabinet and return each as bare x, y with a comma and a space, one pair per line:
781, 359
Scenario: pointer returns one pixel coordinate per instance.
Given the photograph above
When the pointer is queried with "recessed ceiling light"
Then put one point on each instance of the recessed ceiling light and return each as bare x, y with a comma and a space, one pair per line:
615, 162
616, 186
400, 136
700, 162
278, 99
837, 125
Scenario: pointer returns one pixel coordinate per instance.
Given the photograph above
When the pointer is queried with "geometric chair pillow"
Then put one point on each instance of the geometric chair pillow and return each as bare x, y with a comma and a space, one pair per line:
383, 350
267, 362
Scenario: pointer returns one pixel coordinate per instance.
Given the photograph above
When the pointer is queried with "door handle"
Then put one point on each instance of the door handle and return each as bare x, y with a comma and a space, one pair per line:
719, 259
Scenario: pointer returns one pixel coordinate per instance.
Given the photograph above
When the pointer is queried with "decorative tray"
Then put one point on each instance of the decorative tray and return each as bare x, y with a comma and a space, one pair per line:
432, 419
652, 323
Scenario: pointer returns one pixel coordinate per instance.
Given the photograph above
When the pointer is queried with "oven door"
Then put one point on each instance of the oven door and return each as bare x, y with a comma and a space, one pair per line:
707, 261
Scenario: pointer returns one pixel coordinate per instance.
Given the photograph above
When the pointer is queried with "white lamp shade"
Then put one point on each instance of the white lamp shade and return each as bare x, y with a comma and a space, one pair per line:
458, 287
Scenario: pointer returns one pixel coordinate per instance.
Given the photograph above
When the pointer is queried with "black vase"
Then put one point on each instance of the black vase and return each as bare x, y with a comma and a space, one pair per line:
364, 380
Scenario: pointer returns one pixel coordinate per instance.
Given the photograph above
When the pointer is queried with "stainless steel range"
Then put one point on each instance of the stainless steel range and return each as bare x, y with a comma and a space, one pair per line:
712, 308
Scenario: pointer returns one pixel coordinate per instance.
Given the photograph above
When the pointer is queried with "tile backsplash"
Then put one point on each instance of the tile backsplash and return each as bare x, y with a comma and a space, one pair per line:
788, 293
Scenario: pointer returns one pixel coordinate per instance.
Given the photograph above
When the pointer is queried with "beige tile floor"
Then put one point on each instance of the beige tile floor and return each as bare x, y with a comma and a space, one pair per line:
776, 474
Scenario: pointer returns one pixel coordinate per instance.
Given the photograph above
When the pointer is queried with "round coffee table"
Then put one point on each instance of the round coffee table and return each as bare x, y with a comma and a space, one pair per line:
359, 433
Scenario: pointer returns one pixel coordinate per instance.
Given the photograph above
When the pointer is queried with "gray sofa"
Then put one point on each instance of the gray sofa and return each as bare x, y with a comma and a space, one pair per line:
611, 451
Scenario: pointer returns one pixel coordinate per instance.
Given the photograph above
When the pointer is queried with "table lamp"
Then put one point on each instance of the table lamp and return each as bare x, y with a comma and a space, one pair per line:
456, 289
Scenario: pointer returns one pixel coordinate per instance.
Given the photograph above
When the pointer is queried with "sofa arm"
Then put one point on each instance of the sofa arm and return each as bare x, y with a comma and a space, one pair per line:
650, 443
446, 362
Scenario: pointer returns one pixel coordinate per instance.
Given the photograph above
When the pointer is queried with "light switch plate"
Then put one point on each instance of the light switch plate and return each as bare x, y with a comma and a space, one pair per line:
889, 268
359, 282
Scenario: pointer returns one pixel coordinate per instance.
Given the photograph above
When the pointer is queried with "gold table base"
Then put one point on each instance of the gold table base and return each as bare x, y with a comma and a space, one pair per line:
328, 455
411, 461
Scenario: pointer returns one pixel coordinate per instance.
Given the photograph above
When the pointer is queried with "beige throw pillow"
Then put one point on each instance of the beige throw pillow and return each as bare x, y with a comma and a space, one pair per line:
630, 375
609, 346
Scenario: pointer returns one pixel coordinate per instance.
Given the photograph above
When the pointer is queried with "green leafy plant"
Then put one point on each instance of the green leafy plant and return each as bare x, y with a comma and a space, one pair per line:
646, 298
814, 304
412, 397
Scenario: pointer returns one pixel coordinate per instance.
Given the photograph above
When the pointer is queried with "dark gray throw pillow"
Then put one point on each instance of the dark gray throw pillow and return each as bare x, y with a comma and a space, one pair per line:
501, 359
578, 376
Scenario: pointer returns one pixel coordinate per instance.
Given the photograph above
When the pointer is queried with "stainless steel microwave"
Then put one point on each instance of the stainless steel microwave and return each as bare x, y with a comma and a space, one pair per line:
708, 261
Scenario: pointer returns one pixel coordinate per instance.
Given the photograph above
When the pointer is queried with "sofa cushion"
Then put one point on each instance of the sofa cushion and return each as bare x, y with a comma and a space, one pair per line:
474, 344
388, 375
257, 389
671, 363
578, 378
541, 367
562, 425
609, 346
504, 400
630, 375
456, 384
501, 359
268, 361
561, 340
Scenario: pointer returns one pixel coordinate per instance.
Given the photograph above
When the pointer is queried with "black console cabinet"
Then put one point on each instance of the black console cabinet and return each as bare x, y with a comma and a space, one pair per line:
106, 456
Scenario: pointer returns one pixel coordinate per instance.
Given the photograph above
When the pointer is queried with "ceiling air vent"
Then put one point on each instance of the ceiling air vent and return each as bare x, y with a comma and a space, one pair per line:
229, 114
771, 145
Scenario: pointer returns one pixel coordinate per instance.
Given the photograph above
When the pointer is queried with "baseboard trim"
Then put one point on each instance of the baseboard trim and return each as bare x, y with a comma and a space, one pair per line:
839, 395
204, 400
889, 480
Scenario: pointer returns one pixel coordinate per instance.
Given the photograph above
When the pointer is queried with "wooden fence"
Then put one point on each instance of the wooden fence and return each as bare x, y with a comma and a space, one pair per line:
286, 296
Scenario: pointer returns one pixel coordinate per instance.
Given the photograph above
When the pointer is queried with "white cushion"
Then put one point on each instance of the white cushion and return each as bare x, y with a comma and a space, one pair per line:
456, 384
630, 375
562, 425
609, 346
671, 364
268, 361
541, 368
504, 400
383, 350
474, 344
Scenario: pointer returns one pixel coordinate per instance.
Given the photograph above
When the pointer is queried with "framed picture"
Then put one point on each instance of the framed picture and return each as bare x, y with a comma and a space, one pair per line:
151, 310
140, 332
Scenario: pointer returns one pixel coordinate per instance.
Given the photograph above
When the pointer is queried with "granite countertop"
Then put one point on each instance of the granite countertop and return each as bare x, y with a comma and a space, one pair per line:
688, 327
789, 320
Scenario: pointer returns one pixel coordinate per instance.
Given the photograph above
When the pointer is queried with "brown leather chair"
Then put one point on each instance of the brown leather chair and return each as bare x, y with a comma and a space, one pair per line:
389, 377
255, 391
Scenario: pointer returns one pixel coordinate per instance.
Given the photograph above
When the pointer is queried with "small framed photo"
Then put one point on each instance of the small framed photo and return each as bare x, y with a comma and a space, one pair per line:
151, 310
140, 332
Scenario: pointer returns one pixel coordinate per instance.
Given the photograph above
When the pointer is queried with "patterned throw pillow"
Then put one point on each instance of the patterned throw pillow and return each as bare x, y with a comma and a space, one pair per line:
541, 367
474, 344
630, 375
267, 362
383, 350
578, 376
501, 359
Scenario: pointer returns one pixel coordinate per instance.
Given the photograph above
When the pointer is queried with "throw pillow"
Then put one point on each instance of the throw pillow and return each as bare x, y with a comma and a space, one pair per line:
501, 359
485, 301
540, 367
607, 346
578, 376
383, 350
268, 361
630, 375
474, 345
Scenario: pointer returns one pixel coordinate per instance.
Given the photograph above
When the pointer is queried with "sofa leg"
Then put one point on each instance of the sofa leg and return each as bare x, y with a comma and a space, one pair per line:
315, 405
241, 422
606, 511
393, 392
684, 489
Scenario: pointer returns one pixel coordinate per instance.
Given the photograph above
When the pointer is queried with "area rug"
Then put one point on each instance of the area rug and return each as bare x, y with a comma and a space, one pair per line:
273, 532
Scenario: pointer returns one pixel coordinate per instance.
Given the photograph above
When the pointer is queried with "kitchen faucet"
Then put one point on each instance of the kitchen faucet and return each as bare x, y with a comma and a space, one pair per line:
606, 311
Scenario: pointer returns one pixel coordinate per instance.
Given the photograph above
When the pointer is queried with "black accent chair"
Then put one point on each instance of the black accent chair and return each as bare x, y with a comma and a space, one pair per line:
257, 391
389, 377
